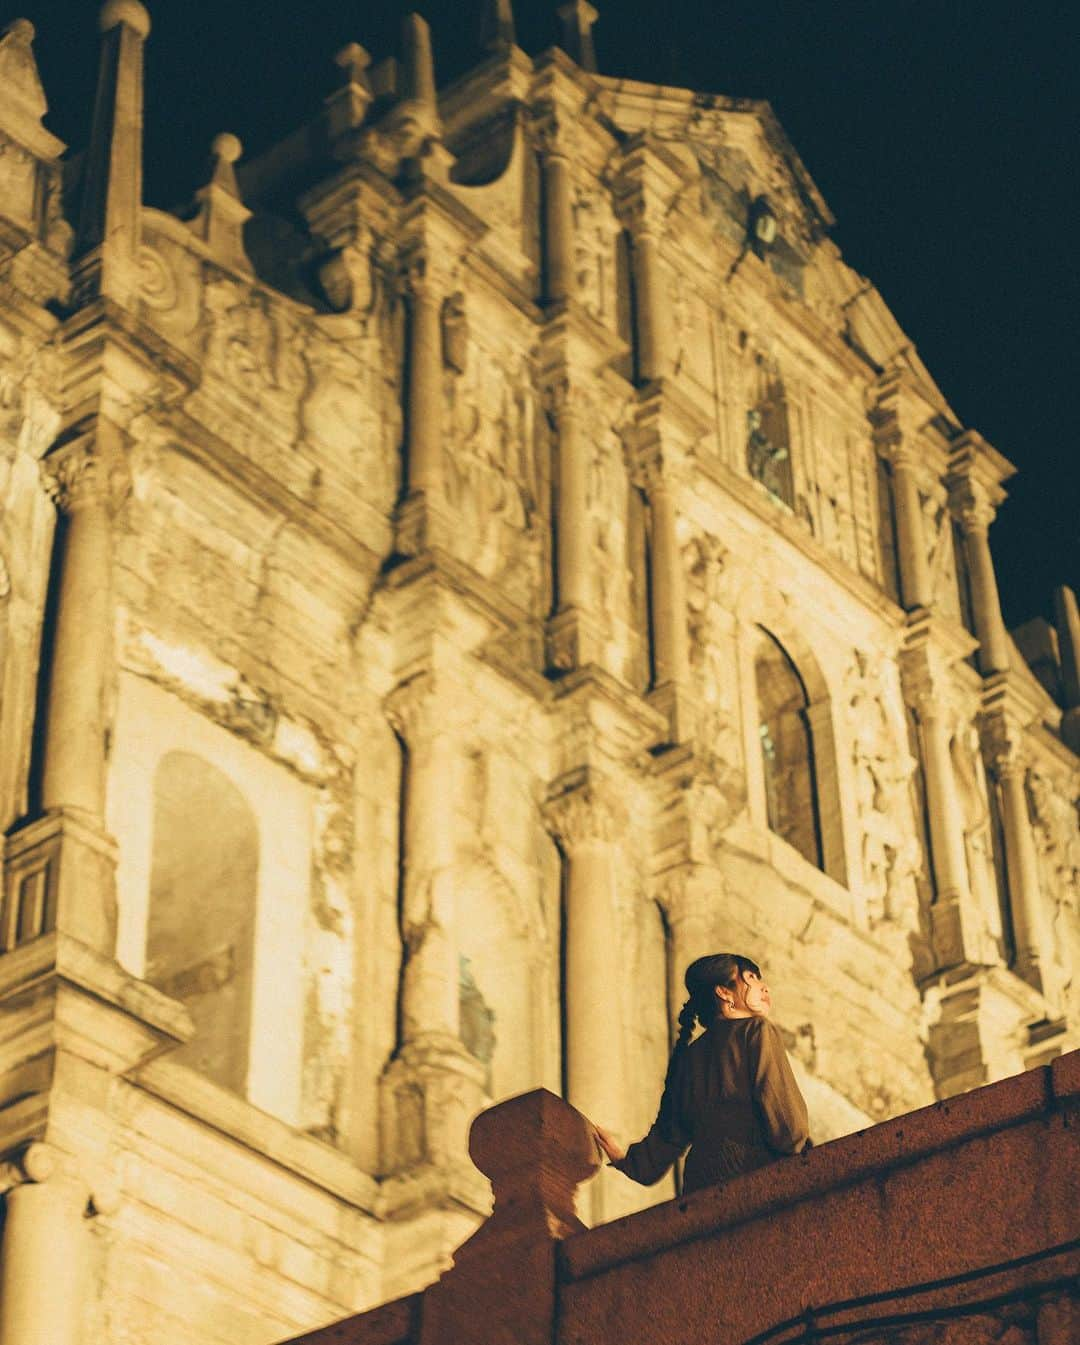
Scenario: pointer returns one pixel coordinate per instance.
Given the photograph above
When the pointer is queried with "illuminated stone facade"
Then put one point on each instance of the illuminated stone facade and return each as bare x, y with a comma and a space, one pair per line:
491, 551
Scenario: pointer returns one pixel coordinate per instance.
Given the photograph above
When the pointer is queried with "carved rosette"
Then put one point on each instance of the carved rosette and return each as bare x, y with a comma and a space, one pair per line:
82, 474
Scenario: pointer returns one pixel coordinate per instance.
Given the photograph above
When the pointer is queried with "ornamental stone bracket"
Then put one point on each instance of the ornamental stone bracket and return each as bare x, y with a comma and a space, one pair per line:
428, 1095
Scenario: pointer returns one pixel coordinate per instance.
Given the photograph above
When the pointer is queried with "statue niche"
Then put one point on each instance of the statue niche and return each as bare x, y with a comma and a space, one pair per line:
768, 438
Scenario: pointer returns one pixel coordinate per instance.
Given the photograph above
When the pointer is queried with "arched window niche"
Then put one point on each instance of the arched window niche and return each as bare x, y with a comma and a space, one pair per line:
201, 919
794, 732
768, 437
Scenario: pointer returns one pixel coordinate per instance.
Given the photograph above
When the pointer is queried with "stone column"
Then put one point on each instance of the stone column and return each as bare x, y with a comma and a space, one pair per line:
1021, 861
78, 476
59, 870
424, 400
690, 930
44, 1255
955, 931
915, 585
572, 513
558, 213
668, 581
976, 513
651, 316
586, 822
432, 1086
430, 979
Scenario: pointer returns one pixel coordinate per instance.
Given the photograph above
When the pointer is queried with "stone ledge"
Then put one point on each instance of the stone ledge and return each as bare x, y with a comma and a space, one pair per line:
238, 1120
867, 1153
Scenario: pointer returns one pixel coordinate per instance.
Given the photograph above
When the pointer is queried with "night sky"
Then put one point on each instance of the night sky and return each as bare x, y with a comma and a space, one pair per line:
942, 134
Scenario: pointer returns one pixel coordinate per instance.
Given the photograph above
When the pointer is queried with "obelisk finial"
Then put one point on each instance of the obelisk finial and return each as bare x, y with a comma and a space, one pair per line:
222, 214
497, 25
418, 64
578, 17
112, 192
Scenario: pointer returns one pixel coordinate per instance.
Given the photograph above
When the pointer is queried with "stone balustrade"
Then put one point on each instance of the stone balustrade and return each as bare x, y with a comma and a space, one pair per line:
958, 1224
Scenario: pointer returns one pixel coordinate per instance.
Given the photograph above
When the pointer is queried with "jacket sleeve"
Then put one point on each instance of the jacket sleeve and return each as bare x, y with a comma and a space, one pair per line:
646, 1161
779, 1102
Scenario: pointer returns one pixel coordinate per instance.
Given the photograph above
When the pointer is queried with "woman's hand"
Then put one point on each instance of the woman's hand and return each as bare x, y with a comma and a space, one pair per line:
609, 1144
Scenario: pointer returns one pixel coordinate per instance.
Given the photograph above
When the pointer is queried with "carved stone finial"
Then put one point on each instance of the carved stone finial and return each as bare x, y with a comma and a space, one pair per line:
1067, 623
418, 63
577, 18
24, 102
110, 218
222, 214
128, 12
347, 106
497, 26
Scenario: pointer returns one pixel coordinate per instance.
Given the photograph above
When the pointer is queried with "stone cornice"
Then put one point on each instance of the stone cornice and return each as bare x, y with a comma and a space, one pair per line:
189, 1093
972, 461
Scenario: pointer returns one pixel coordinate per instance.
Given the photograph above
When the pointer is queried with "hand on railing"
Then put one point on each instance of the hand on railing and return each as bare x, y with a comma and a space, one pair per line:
609, 1144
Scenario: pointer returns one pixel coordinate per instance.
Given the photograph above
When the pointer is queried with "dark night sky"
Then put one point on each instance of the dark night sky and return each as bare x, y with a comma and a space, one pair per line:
941, 132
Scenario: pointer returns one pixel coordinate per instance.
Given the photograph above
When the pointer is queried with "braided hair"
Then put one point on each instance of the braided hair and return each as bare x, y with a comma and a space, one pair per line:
701, 980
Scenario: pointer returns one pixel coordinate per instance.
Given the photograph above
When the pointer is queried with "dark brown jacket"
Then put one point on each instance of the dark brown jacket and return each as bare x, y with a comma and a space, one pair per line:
733, 1100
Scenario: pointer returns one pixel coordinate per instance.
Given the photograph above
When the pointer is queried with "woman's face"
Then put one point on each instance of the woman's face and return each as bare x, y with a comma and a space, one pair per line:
749, 995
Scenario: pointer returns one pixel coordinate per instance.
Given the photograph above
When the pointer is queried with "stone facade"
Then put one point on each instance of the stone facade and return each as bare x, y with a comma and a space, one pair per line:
489, 551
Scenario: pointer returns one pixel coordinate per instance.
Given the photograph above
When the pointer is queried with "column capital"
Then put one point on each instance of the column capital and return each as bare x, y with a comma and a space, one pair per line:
415, 710
898, 412
562, 392
36, 1163
86, 470
645, 183
425, 274
1004, 747
653, 469
585, 811
971, 505
552, 131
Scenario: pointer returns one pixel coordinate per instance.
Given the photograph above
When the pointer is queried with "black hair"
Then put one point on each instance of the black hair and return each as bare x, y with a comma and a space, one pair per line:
701, 980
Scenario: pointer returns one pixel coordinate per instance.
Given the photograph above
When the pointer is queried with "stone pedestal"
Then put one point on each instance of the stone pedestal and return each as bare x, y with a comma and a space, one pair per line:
429, 1094
60, 873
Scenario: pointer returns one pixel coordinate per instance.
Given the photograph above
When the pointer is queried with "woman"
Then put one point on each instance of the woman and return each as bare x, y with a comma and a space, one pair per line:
730, 1094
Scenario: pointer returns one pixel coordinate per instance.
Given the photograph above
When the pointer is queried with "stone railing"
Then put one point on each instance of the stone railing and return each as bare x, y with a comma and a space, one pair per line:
955, 1225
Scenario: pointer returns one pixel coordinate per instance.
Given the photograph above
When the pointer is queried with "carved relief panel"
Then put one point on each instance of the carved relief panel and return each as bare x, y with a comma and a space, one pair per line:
493, 476
890, 853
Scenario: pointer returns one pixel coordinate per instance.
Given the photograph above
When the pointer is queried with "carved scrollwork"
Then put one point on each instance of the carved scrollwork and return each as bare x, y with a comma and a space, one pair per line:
157, 284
